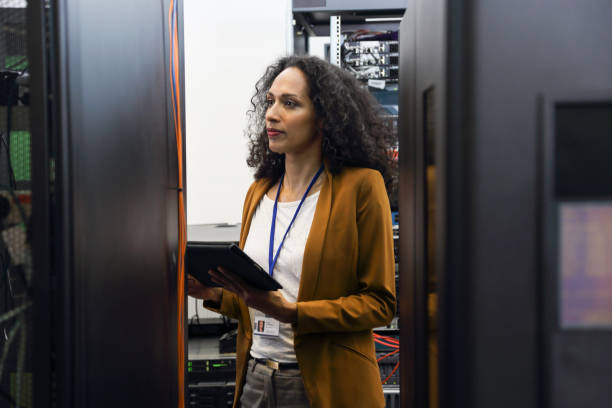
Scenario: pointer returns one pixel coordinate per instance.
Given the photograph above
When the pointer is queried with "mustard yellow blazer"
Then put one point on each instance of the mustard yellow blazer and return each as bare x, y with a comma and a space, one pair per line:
347, 287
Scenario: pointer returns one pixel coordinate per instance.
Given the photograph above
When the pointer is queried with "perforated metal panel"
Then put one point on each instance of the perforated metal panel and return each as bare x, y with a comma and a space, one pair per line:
15, 209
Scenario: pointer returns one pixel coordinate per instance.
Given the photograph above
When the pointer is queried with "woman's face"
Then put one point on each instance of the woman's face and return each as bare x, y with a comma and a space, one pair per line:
290, 115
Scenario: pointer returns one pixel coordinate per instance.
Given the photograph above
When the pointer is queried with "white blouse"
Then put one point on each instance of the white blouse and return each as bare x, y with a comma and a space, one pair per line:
288, 268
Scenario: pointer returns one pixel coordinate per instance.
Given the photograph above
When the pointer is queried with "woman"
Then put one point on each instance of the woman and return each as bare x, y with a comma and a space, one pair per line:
320, 151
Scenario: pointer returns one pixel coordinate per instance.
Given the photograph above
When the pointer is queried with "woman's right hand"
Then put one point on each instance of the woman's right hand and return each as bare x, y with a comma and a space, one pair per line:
197, 290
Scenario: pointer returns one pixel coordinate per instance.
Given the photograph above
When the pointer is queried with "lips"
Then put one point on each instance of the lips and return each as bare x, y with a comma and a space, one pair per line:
273, 132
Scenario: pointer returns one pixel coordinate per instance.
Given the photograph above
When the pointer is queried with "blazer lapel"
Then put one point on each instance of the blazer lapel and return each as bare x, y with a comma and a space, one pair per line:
316, 239
256, 197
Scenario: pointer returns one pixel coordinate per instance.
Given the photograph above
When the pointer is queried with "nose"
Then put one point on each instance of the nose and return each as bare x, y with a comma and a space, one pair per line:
272, 113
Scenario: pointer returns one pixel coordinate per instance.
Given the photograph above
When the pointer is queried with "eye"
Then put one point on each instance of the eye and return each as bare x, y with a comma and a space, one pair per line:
290, 103
269, 102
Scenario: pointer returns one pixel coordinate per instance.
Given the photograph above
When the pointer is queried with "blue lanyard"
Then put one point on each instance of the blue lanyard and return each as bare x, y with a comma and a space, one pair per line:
271, 258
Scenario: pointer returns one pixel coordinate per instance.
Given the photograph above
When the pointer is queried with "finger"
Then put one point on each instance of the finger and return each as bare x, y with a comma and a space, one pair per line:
217, 277
235, 279
219, 280
227, 279
223, 281
227, 286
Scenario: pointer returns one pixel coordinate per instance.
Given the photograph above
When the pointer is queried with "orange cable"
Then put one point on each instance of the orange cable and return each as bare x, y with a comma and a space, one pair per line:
178, 98
174, 66
171, 65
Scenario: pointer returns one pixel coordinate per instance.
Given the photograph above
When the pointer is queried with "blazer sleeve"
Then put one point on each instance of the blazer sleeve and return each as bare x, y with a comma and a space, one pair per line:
228, 306
374, 303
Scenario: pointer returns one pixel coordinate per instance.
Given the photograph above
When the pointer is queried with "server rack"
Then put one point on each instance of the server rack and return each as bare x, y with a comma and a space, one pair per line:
374, 60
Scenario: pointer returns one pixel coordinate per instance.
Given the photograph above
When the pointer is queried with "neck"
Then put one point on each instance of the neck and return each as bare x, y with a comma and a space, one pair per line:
300, 169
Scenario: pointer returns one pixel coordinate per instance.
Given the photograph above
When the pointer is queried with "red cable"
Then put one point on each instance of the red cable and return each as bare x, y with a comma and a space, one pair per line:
391, 346
386, 338
382, 335
386, 344
392, 372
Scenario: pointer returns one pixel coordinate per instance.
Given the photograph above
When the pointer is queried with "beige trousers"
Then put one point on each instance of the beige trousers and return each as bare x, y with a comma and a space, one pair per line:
269, 388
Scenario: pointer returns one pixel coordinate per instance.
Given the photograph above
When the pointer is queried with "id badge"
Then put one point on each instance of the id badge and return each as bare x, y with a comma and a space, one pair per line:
266, 326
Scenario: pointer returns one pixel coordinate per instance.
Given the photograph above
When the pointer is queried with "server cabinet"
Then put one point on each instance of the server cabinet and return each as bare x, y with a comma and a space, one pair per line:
511, 82
107, 252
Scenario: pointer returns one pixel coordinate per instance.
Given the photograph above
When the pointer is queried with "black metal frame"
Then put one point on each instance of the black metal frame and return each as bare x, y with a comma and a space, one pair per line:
51, 212
64, 292
40, 126
455, 364
40, 202
452, 153
410, 364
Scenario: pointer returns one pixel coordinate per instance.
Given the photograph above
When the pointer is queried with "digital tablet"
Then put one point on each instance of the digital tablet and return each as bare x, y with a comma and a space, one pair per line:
200, 257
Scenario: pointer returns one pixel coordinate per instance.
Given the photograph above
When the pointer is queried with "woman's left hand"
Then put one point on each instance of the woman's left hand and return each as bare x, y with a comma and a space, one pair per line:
272, 303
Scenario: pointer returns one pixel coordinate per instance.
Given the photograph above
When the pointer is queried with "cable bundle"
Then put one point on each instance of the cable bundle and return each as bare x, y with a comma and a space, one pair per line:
388, 342
182, 238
